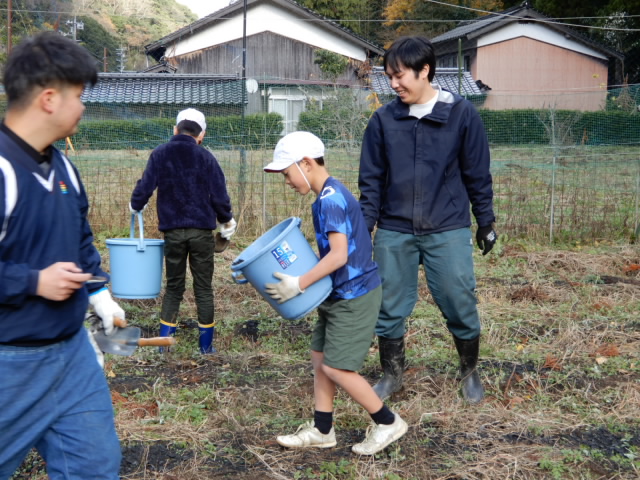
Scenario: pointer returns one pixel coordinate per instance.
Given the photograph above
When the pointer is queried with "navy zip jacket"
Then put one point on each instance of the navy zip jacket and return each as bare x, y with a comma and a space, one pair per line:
192, 190
43, 220
418, 176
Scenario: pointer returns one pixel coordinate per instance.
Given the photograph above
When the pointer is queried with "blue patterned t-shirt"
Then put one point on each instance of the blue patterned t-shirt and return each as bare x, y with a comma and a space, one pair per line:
337, 210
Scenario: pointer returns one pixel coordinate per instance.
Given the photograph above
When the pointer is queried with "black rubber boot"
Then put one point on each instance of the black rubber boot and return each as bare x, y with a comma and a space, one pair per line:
392, 362
472, 389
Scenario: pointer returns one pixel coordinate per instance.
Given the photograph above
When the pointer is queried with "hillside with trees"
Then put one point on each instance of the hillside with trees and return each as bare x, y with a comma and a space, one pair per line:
114, 31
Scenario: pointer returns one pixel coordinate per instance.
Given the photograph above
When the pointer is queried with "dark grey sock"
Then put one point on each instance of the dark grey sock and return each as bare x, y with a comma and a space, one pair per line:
323, 421
383, 416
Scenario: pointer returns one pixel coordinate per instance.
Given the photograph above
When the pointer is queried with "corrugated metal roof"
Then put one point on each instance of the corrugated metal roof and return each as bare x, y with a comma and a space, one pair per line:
162, 88
445, 77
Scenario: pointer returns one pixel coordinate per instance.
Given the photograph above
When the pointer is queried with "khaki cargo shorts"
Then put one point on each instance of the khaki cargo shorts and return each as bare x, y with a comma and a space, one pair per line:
345, 328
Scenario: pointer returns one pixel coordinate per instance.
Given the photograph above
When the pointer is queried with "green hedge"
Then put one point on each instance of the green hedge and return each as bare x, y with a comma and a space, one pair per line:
513, 127
260, 131
341, 121
327, 126
586, 128
503, 127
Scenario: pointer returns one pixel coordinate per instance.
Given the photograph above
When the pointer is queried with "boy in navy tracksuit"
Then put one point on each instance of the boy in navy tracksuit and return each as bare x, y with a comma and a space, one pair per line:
346, 320
54, 396
192, 195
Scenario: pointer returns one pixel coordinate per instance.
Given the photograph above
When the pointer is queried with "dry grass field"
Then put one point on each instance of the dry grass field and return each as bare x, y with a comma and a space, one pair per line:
560, 360
560, 354
578, 193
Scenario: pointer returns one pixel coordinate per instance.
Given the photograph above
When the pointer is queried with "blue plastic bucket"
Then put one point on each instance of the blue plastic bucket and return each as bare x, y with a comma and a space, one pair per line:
282, 249
135, 264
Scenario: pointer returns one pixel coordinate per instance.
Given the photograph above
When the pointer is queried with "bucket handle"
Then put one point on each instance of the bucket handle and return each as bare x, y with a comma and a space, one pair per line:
238, 277
141, 245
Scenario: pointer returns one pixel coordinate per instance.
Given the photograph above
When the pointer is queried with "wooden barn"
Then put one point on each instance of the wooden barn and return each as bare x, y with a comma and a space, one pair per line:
281, 39
529, 61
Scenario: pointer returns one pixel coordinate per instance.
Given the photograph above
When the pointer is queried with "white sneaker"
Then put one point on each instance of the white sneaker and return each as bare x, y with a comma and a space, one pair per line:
379, 436
308, 436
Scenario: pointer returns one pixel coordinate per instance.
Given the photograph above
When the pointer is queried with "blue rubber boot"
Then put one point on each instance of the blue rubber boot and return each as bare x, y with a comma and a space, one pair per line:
207, 333
167, 330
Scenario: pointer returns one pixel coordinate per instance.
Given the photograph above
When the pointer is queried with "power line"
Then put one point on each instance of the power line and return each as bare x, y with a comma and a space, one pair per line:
606, 17
358, 20
603, 17
549, 21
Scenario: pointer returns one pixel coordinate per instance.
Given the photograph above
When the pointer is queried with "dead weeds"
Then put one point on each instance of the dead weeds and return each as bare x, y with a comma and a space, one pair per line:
560, 361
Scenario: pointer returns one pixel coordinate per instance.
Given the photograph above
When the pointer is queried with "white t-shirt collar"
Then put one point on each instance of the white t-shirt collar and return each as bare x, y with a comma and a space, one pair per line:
419, 110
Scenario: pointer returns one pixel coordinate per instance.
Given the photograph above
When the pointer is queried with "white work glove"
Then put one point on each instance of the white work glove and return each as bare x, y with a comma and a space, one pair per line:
137, 211
106, 309
228, 229
284, 290
96, 348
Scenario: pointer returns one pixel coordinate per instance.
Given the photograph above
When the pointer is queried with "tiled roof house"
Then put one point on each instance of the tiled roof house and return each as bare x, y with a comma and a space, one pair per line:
531, 61
449, 78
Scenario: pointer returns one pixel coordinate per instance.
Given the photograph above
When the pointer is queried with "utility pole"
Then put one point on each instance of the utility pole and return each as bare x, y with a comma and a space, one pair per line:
122, 56
9, 32
75, 26
104, 60
243, 152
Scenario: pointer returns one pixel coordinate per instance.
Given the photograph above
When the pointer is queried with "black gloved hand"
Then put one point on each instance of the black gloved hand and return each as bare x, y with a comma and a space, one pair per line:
486, 238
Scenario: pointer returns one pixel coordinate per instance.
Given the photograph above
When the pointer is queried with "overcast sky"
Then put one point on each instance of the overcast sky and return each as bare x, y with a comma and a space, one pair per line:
202, 8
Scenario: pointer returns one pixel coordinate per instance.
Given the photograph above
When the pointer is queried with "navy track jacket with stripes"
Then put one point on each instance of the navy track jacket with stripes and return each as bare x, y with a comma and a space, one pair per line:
43, 220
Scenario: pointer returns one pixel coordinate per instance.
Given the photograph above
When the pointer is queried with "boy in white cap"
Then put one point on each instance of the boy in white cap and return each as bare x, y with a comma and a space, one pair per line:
346, 320
192, 195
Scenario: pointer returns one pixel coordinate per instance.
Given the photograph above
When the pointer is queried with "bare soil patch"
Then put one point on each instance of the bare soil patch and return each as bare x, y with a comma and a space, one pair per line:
560, 361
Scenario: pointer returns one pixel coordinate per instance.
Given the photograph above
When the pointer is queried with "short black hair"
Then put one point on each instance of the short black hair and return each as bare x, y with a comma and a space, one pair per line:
189, 127
411, 52
44, 60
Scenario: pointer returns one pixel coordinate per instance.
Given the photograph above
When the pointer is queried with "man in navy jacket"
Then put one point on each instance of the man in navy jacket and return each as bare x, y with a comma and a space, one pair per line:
424, 160
192, 195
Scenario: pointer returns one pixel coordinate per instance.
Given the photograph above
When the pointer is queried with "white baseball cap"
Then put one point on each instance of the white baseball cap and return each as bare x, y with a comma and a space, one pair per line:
294, 147
193, 115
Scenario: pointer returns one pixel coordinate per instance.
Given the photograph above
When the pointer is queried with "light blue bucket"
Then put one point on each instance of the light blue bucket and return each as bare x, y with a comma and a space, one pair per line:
283, 249
135, 264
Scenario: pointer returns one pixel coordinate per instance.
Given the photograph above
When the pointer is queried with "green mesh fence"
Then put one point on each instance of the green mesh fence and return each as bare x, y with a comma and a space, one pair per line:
560, 174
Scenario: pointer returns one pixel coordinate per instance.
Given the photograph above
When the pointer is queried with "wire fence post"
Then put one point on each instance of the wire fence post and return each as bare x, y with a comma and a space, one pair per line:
242, 177
553, 173
637, 225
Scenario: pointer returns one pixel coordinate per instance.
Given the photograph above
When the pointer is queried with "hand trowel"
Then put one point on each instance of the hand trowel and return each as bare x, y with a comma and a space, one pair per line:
124, 340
